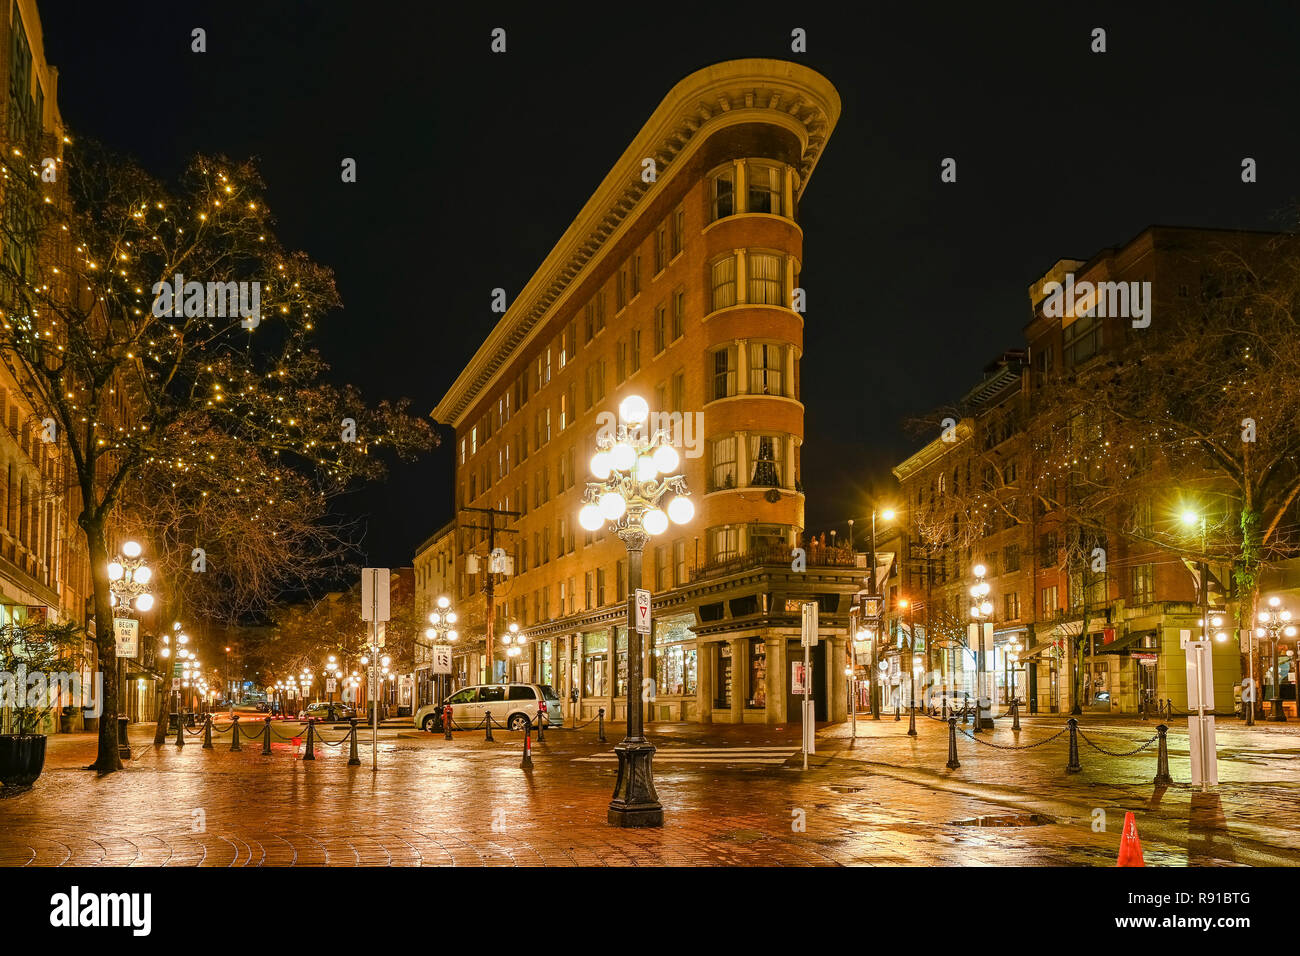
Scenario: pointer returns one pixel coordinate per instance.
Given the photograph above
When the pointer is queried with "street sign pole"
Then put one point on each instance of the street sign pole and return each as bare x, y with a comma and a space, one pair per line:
808, 637
374, 608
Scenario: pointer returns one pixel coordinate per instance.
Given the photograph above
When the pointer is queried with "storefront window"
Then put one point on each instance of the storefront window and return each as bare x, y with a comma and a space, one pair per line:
595, 669
620, 683
723, 696
544, 667
757, 674
675, 670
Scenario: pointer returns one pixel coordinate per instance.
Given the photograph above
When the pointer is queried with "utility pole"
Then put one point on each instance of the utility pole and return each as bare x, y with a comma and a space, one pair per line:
488, 588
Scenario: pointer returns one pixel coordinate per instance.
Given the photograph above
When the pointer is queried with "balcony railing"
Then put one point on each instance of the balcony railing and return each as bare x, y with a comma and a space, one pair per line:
814, 557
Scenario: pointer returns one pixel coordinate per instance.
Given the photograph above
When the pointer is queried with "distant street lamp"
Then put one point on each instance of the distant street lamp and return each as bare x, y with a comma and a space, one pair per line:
633, 475
1274, 623
981, 610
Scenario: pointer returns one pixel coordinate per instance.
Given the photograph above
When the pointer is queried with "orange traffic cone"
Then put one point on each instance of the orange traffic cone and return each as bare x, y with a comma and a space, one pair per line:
1130, 847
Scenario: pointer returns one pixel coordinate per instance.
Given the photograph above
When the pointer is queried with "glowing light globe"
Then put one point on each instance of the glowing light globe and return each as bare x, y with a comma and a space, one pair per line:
612, 506
655, 521
666, 459
633, 410
590, 517
681, 509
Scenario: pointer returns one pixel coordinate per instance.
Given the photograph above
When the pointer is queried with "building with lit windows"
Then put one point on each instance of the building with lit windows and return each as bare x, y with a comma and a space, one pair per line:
682, 289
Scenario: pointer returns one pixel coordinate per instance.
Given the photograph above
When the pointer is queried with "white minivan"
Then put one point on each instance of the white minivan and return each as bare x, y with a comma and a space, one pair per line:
514, 706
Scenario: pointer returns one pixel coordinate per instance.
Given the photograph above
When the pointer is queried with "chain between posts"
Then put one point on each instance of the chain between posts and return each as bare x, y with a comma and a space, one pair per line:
1110, 753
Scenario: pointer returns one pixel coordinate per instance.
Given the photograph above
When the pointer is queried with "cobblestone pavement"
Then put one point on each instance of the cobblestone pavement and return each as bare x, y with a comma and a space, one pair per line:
882, 799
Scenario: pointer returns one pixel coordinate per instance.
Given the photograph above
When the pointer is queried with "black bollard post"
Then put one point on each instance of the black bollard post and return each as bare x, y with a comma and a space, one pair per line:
965, 706
123, 744
1073, 766
266, 736
446, 723
979, 719
1162, 758
600, 725
180, 733
207, 732
897, 715
541, 712
1142, 706
310, 752
911, 720
234, 735
353, 759
527, 762
953, 762
488, 725
1015, 713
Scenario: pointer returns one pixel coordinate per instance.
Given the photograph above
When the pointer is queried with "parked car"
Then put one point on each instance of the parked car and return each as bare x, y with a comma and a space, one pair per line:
329, 710
511, 705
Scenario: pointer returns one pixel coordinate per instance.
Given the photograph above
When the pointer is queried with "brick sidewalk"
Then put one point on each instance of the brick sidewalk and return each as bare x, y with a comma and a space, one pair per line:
885, 800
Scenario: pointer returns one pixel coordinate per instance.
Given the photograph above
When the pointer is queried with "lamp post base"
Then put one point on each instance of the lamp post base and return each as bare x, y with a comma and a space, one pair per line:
635, 802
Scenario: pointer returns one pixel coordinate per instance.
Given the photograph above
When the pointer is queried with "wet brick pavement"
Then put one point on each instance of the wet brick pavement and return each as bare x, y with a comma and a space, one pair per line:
883, 799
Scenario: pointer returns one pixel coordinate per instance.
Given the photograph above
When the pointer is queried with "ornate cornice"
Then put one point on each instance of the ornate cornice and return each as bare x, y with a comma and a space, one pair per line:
776, 92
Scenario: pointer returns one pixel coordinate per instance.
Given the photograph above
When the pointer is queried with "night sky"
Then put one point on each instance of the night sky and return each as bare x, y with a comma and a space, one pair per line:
471, 165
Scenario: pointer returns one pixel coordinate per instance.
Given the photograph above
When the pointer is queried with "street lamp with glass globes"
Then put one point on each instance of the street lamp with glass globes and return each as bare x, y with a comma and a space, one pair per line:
634, 474
981, 610
514, 645
1274, 624
441, 630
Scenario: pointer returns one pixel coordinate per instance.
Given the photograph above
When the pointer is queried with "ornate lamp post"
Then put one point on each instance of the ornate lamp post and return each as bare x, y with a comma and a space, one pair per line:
1274, 623
633, 475
981, 610
514, 645
441, 631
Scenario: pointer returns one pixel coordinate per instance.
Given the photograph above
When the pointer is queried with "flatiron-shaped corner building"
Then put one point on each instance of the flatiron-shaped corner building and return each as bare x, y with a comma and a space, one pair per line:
682, 290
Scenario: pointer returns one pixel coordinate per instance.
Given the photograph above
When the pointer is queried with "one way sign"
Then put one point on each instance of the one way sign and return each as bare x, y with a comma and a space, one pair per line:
642, 611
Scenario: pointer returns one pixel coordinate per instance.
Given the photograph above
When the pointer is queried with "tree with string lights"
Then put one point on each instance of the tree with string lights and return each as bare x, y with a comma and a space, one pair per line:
165, 328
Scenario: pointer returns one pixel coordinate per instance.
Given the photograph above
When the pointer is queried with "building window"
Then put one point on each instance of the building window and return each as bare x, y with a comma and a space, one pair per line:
722, 696
661, 248
765, 453
473, 440
462, 451
757, 699
675, 671
600, 311
1082, 339
679, 314
679, 562
766, 278
679, 232
590, 594
636, 274
620, 362
679, 391
724, 372
1011, 557
724, 542
722, 462
600, 587
764, 184
620, 289
661, 568
634, 350
1011, 606
589, 323
765, 368
767, 537
723, 187
661, 328
1144, 585
724, 283
1050, 602
595, 670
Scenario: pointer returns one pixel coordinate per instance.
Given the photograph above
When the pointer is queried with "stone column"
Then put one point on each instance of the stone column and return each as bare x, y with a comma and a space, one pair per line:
742, 459
739, 678
787, 193
787, 471
776, 669
789, 282
742, 186
704, 681
787, 380
837, 691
